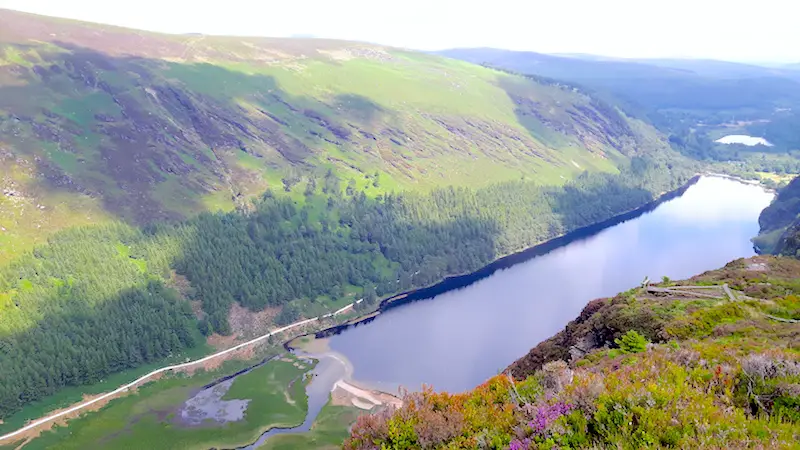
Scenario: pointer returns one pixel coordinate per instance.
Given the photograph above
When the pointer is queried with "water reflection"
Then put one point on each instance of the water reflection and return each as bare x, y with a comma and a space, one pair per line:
463, 337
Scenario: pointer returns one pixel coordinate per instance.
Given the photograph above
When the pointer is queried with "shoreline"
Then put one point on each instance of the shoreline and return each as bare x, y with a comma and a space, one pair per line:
458, 281
338, 387
739, 180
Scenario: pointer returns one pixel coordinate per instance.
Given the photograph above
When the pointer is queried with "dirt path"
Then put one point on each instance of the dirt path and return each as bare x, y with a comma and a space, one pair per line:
28, 430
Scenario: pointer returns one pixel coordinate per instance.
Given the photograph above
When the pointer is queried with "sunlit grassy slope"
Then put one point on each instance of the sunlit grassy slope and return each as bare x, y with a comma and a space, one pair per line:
98, 122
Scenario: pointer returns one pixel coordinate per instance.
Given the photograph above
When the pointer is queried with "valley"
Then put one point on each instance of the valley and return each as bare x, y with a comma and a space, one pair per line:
251, 191
698, 241
250, 242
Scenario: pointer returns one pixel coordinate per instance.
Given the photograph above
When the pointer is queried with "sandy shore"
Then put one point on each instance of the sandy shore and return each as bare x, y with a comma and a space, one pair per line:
346, 390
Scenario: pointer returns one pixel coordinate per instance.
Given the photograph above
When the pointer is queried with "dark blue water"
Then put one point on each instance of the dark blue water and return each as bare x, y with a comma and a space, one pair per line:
458, 339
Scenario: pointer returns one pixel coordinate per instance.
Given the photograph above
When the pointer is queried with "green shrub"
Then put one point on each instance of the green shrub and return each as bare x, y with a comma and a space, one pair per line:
632, 342
703, 321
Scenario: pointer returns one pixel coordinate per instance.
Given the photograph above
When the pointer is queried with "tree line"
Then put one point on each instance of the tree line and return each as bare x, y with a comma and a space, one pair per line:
93, 301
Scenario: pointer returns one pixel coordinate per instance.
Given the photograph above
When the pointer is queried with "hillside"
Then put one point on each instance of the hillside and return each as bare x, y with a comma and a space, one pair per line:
694, 102
163, 194
780, 223
709, 362
658, 84
103, 123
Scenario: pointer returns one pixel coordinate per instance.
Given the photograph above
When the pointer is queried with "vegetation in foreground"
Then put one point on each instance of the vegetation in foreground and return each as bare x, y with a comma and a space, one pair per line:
151, 418
640, 370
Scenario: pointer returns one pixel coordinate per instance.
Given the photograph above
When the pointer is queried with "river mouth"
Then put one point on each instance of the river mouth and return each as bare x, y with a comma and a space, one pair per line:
330, 381
480, 323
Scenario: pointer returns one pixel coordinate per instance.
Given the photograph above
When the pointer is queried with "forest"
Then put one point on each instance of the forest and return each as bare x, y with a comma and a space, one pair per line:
96, 300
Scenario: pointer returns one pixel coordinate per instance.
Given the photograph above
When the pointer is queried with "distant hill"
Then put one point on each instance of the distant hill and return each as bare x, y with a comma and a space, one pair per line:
655, 84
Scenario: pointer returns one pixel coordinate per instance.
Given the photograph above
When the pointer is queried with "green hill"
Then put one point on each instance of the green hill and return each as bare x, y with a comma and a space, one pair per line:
143, 171
104, 123
694, 102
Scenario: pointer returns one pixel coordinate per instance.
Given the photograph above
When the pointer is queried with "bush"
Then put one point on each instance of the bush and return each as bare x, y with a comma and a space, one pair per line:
204, 327
632, 342
701, 323
289, 314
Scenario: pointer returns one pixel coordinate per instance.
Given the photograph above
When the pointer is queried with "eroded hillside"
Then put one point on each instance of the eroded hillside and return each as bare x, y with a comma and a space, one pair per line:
101, 122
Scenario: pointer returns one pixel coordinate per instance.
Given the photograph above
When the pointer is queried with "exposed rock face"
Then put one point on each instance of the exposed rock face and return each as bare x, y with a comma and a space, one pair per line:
780, 224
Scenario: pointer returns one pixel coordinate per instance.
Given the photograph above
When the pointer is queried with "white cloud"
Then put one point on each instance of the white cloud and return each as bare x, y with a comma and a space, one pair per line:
733, 30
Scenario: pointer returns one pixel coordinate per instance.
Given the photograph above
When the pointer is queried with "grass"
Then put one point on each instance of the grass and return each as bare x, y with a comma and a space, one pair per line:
82, 110
776, 177
146, 419
328, 431
13, 55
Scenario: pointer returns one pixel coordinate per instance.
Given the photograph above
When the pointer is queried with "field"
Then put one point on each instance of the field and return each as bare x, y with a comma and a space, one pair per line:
151, 417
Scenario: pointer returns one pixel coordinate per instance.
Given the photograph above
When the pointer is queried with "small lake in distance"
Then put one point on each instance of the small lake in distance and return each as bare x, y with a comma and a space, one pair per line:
458, 339
743, 139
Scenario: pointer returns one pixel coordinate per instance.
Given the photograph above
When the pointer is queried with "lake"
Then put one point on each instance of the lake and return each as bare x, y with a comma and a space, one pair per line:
457, 340
743, 139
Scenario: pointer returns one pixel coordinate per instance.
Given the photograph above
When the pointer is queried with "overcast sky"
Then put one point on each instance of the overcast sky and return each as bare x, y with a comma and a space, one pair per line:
759, 30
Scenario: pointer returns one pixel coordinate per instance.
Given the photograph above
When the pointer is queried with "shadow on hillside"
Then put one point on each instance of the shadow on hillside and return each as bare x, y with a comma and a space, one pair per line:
151, 138
82, 344
586, 123
283, 253
594, 198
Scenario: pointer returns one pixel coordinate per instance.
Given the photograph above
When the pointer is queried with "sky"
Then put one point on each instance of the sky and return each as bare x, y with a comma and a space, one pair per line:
734, 30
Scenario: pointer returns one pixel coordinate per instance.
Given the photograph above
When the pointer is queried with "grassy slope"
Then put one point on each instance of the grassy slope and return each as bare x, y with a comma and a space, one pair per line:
719, 374
146, 419
103, 122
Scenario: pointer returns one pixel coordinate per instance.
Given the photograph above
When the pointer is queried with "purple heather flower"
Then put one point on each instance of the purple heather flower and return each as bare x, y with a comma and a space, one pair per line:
517, 444
546, 415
